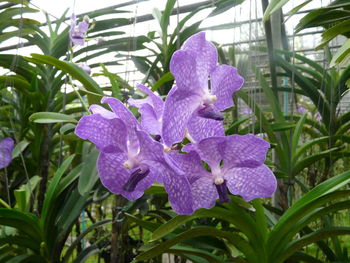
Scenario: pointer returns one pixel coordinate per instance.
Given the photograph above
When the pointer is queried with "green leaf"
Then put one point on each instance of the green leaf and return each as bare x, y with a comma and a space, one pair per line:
19, 148
311, 238
51, 193
67, 128
74, 70
273, 6
51, 117
22, 32
296, 135
165, 17
25, 222
164, 79
342, 54
235, 239
88, 176
322, 189
338, 29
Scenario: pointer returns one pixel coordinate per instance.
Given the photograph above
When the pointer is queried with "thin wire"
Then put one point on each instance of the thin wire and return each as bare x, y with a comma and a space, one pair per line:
48, 13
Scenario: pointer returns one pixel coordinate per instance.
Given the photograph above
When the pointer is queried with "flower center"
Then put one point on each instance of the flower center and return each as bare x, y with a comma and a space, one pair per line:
209, 99
131, 162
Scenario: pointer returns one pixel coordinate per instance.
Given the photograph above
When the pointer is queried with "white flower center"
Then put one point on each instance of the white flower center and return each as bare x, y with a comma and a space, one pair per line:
218, 177
131, 162
208, 98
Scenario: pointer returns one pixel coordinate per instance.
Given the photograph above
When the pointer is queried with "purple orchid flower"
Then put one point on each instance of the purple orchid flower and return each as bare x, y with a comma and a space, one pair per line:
77, 32
6, 148
151, 110
202, 90
301, 109
237, 165
130, 161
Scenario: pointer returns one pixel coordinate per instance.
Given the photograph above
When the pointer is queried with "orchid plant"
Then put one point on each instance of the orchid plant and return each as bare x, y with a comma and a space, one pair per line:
134, 155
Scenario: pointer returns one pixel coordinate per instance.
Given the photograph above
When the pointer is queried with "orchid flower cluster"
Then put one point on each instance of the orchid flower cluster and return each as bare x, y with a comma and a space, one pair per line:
134, 155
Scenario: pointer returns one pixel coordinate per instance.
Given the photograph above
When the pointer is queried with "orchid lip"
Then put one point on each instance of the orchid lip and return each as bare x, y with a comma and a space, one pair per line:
223, 192
209, 113
135, 177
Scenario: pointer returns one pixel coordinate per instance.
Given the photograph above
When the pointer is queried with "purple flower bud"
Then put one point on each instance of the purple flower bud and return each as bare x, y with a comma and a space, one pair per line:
301, 109
84, 66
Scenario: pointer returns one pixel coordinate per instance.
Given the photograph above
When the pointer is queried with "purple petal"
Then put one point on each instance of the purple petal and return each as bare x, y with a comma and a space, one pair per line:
84, 66
189, 163
206, 56
178, 108
204, 193
127, 117
179, 191
200, 128
83, 27
183, 67
97, 109
114, 176
224, 81
109, 135
244, 150
211, 151
6, 148
149, 121
149, 148
156, 101
251, 183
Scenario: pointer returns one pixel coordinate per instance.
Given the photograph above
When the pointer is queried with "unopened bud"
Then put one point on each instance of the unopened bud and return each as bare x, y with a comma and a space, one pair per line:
86, 19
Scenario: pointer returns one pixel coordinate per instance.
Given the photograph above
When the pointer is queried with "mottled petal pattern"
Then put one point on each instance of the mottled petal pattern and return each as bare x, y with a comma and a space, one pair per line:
125, 115
200, 128
224, 81
251, 183
206, 56
190, 164
179, 192
109, 135
244, 150
149, 148
156, 102
149, 121
178, 109
6, 148
183, 67
204, 193
97, 109
211, 150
